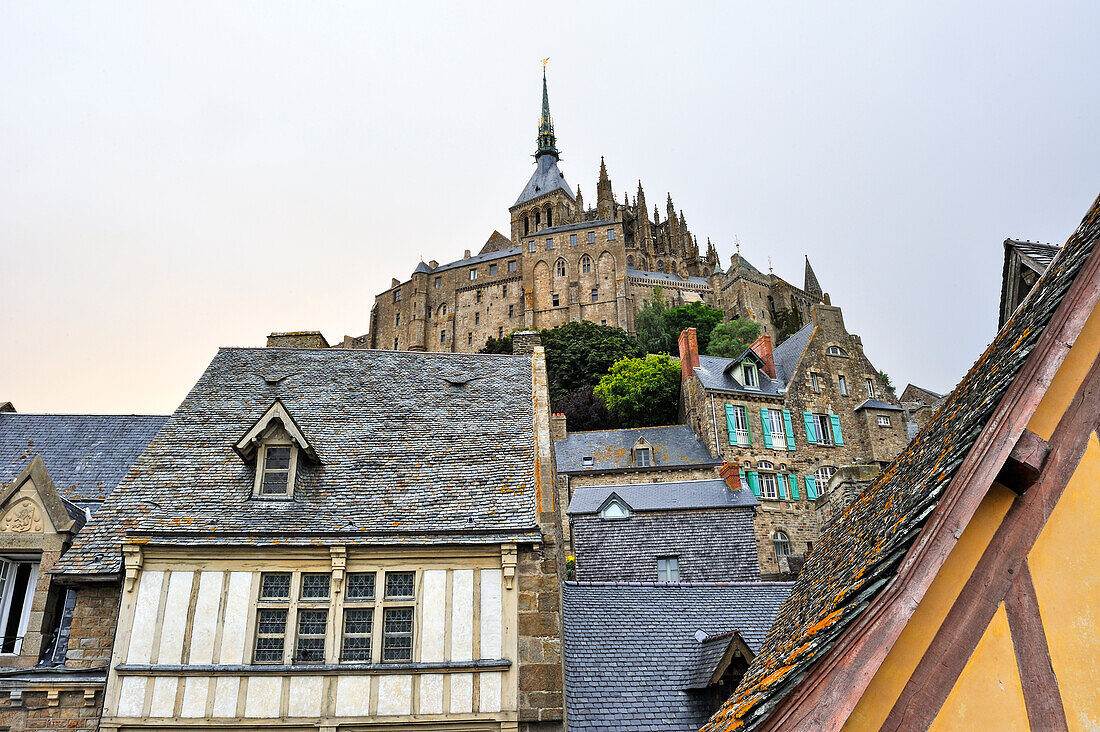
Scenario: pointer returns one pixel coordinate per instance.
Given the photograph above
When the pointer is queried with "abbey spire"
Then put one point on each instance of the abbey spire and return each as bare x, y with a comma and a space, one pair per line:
810, 284
547, 144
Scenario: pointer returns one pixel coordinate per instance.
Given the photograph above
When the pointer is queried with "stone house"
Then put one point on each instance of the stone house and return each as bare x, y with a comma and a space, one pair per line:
956, 592
787, 419
921, 404
338, 539
55, 472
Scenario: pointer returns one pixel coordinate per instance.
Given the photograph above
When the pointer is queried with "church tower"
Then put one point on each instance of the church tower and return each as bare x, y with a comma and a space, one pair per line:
546, 200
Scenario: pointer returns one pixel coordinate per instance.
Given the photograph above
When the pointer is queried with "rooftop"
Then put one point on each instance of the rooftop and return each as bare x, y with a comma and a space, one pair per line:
679, 495
573, 227
546, 179
671, 278
674, 446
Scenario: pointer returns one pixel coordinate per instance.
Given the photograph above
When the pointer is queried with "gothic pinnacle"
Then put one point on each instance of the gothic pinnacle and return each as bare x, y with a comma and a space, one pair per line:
547, 144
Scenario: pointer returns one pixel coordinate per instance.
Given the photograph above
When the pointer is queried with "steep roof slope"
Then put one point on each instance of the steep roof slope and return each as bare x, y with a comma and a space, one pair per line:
860, 553
412, 447
675, 495
673, 446
545, 179
631, 654
86, 454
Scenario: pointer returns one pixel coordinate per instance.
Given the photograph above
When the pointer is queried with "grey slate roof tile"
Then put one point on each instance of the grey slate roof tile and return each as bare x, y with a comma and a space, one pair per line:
670, 278
478, 259
405, 455
673, 446
631, 653
671, 496
788, 354
545, 179
594, 224
712, 372
86, 454
876, 404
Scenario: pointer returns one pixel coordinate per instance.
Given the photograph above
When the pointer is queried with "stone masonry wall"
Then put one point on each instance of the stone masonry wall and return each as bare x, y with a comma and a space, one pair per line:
38, 710
710, 546
95, 616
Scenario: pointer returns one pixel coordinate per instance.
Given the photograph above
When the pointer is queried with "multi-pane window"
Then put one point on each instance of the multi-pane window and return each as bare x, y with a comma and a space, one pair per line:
586, 264
397, 295
17, 580
276, 470
835, 351
311, 635
748, 370
775, 421
883, 421
782, 544
642, 457
591, 237
473, 274
572, 240
358, 617
439, 282
824, 427
555, 300
769, 487
512, 266
668, 569
397, 622
870, 387
271, 619
492, 270
843, 384
532, 246
815, 381
611, 235
559, 267
595, 295
741, 423
823, 475
550, 243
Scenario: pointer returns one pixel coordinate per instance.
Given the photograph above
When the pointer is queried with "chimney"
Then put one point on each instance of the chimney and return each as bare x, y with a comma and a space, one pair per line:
762, 347
466, 254
6, 407
525, 341
689, 353
558, 429
732, 475
297, 339
432, 263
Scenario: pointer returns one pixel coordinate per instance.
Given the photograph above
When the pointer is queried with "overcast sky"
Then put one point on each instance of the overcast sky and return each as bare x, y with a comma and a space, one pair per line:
176, 177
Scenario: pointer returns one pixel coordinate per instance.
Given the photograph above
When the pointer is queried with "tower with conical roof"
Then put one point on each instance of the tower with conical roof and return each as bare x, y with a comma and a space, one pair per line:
810, 284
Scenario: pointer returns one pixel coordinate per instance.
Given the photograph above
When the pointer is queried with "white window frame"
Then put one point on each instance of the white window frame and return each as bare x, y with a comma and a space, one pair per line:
870, 384
550, 244
493, 270
572, 240
836, 351
639, 452
779, 435
750, 376
823, 424
611, 235
609, 511
592, 237
781, 537
842, 383
815, 381
741, 422
9, 569
473, 274
262, 469
769, 490
668, 569
882, 420
823, 475
512, 266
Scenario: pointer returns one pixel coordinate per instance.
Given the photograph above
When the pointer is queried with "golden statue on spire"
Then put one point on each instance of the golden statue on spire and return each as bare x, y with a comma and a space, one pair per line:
544, 63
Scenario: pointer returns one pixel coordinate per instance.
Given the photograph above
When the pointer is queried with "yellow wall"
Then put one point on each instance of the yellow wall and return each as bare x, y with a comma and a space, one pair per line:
1068, 379
1063, 566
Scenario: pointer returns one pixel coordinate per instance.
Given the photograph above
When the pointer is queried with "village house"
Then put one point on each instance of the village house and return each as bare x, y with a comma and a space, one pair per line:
787, 419
56, 470
921, 404
338, 539
954, 592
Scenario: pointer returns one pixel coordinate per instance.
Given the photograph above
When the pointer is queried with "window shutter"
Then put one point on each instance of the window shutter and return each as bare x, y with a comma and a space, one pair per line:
754, 483
731, 424
811, 432
835, 419
766, 426
811, 487
794, 485
790, 430
748, 427
741, 475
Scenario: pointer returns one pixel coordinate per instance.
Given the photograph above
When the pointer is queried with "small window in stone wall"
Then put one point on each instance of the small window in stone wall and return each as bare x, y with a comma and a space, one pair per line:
836, 351
769, 486
512, 266
492, 270
555, 300
591, 237
883, 421
843, 384
869, 382
477, 296
823, 475
782, 544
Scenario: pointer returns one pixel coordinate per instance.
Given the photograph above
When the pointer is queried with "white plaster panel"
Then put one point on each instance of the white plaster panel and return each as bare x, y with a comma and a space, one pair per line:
195, 691
431, 694
489, 691
236, 618
206, 617
434, 624
164, 696
491, 612
177, 606
305, 696
145, 617
462, 615
225, 696
462, 693
265, 694
395, 694
353, 696
131, 696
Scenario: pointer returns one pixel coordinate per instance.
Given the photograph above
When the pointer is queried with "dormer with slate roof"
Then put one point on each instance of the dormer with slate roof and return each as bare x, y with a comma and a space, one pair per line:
273, 446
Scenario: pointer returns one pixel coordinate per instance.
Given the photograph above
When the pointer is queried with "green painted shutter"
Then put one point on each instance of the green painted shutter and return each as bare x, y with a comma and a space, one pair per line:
748, 427
811, 433
811, 487
766, 426
835, 419
790, 429
731, 424
754, 483
794, 485
781, 485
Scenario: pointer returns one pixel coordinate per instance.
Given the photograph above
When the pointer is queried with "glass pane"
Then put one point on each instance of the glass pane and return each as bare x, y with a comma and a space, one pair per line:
360, 586
274, 484
312, 622
356, 648
271, 622
275, 586
399, 584
359, 622
315, 586
398, 620
278, 458
269, 650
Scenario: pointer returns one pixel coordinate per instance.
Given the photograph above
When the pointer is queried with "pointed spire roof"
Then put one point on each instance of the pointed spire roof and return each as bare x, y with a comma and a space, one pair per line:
546, 177
547, 143
811, 286
603, 170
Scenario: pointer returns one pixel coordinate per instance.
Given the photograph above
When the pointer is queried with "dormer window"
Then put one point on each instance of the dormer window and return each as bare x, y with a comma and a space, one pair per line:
276, 445
276, 474
751, 379
642, 457
615, 509
588, 461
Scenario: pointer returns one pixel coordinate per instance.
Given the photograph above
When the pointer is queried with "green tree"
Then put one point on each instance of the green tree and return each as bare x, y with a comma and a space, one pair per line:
698, 315
886, 380
498, 345
642, 392
650, 325
731, 339
787, 322
579, 353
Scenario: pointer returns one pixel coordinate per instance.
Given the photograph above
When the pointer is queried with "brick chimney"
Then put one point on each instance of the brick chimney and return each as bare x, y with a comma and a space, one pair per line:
558, 428
762, 347
689, 353
524, 342
732, 475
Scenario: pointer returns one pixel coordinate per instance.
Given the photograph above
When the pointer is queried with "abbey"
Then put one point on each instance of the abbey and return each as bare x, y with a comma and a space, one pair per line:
564, 262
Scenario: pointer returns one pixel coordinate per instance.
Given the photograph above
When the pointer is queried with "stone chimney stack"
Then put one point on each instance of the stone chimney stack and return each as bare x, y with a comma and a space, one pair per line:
689, 353
762, 347
524, 342
558, 427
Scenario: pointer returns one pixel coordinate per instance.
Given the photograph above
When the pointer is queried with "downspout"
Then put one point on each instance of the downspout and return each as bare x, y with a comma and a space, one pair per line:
714, 423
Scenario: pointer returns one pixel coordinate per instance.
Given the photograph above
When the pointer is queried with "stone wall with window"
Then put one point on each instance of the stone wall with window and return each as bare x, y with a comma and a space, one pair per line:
709, 546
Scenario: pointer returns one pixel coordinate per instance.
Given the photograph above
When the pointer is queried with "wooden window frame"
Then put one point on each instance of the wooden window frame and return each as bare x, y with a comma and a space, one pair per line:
261, 469
671, 565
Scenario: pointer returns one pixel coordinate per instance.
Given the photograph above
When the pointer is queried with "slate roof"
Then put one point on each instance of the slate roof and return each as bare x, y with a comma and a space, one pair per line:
631, 654
412, 447
86, 454
674, 446
545, 179
711, 650
859, 553
876, 404
676, 495
712, 374
479, 258
1037, 256
788, 354
574, 226
672, 279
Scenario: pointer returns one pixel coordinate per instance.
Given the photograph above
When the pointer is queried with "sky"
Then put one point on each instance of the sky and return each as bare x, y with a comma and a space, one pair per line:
179, 176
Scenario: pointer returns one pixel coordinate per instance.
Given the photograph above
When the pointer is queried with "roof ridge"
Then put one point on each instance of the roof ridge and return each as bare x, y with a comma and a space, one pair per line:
638, 485
350, 351
745, 583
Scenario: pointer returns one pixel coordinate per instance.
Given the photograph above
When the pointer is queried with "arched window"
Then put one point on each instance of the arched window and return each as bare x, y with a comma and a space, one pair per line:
559, 268
765, 465
538, 219
586, 264
526, 225
443, 310
549, 216
836, 351
782, 544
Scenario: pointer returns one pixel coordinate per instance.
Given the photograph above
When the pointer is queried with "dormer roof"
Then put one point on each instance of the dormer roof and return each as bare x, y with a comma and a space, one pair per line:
276, 416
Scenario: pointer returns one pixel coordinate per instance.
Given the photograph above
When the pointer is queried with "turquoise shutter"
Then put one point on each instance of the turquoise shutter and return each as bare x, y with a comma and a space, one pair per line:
766, 426
835, 419
731, 424
794, 485
811, 487
790, 430
811, 433
781, 485
748, 427
754, 483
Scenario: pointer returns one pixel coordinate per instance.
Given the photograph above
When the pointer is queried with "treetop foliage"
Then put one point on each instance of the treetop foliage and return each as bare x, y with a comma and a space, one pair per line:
642, 392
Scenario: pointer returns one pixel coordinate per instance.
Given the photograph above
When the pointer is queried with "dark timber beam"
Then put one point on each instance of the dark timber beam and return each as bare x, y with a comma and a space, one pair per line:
1024, 463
